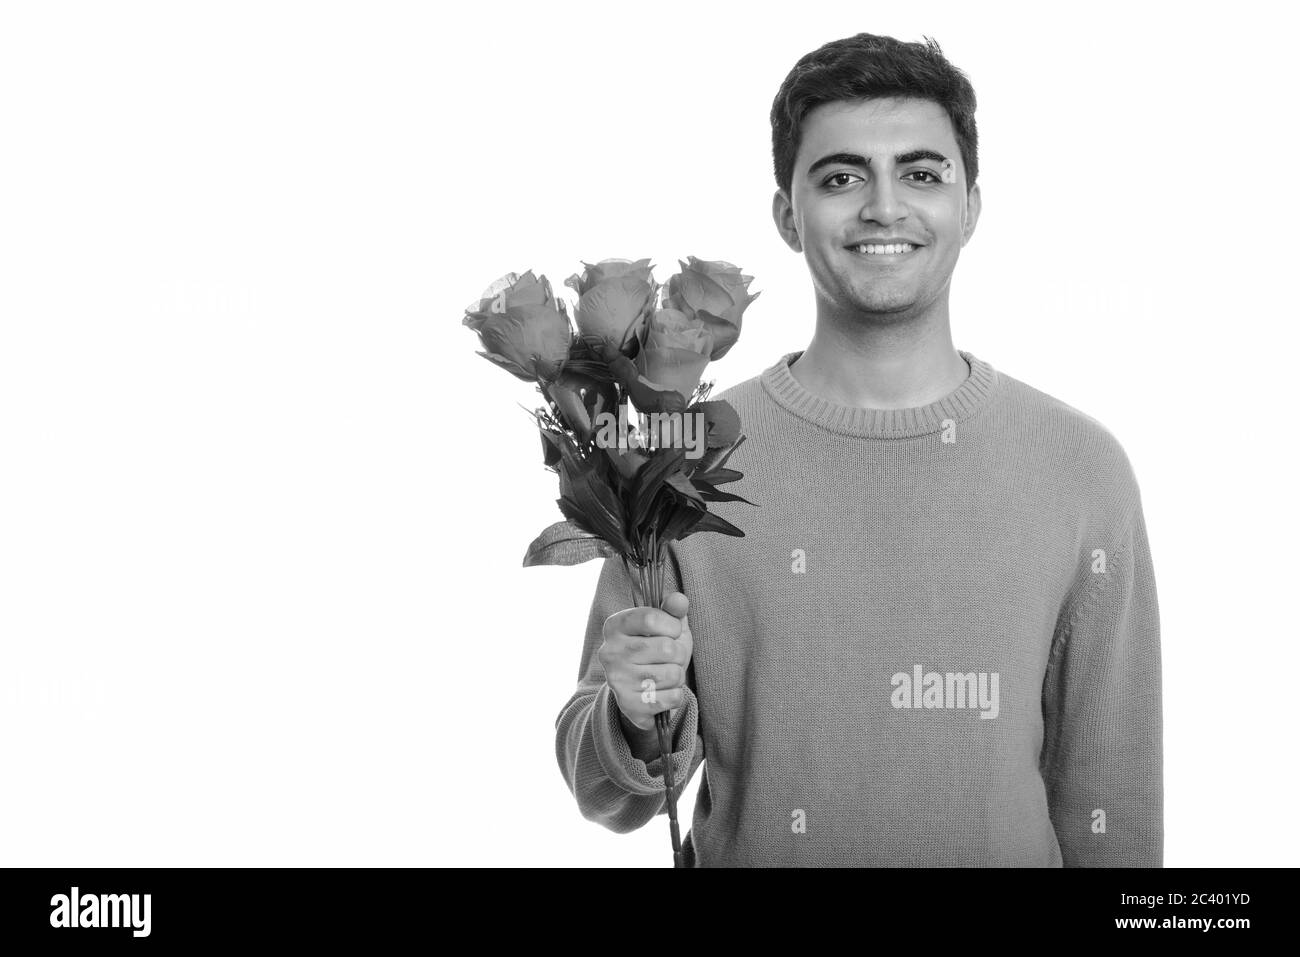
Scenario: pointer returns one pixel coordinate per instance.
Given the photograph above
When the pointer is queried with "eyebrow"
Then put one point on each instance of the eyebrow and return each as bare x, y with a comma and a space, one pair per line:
854, 159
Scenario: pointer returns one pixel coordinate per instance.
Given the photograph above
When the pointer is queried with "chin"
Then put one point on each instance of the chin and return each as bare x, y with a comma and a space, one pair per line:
887, 304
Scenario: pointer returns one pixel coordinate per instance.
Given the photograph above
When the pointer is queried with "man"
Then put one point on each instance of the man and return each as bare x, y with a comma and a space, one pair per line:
938, 642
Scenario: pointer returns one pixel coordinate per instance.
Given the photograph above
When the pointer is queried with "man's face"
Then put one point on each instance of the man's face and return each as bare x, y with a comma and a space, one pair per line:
889, 184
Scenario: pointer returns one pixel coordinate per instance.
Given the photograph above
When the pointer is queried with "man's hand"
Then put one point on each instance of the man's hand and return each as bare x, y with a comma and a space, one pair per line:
645, 655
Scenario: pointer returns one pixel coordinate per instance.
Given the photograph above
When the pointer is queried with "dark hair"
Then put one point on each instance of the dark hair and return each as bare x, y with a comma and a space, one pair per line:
866, 65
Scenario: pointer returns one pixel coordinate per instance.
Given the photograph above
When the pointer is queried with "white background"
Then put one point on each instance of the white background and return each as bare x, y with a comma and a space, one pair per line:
264, 509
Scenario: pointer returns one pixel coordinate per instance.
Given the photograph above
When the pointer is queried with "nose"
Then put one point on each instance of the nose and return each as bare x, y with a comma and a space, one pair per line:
884, 204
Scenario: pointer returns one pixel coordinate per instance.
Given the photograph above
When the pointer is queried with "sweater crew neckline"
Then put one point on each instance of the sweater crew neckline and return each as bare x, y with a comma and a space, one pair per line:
958, 405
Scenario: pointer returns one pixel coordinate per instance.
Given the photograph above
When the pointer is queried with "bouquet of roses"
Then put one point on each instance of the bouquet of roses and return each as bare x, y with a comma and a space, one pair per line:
629, 485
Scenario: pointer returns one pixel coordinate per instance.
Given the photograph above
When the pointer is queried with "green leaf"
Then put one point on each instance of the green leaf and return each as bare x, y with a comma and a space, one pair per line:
712, 523
728, 497
682, 517
718, 476
650, 479
583, 485
565, 544
550, 448
683, 485
714, 459
711, 494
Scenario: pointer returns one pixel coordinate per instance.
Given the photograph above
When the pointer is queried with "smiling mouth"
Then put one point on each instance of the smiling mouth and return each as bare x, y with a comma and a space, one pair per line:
883, 251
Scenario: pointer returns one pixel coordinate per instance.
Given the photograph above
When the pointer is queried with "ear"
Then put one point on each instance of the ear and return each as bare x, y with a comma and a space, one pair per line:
972, 214
783, 216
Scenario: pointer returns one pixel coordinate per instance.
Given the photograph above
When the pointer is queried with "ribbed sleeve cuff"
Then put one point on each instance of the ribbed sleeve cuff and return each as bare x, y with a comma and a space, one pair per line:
625, 769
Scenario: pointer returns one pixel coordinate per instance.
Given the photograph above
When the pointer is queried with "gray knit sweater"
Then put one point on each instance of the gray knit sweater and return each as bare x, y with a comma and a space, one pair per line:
936, 645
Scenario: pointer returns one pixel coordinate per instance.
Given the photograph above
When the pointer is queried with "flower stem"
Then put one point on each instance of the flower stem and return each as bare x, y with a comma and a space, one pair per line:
649, 584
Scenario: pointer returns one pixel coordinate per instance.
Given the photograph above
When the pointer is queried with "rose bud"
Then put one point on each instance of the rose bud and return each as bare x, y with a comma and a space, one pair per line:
581, 399
615, 297
674, 353
524, 329
717, 293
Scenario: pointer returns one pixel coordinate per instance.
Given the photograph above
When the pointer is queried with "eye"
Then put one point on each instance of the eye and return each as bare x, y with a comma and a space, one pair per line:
827, 180
934, 177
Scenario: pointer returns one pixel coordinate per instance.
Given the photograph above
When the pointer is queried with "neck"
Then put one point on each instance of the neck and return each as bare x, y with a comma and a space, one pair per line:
861, 364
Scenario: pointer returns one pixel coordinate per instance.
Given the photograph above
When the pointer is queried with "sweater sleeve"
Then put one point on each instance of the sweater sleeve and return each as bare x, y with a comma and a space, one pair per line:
613, 787
1102, 756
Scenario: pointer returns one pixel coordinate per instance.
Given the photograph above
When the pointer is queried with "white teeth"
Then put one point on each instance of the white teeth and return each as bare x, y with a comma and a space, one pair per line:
884, 250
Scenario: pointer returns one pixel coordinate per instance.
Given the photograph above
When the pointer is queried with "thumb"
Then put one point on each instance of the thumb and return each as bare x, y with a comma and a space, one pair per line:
676, 605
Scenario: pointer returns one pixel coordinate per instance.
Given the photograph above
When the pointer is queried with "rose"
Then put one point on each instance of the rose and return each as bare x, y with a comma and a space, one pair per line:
523, 327
581, 399
615, 297
675, 351
716, 293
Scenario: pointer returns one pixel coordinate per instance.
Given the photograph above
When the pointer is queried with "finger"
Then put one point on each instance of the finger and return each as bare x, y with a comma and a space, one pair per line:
663, 699
676, 604
636, 679
659, 650
668, 700
651, 621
